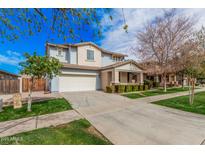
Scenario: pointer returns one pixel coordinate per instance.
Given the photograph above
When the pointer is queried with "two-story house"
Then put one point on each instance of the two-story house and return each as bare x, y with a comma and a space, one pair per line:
87, 66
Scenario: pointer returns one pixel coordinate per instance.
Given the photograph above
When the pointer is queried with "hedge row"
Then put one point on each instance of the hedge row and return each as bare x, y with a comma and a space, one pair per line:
126, 88
151, 84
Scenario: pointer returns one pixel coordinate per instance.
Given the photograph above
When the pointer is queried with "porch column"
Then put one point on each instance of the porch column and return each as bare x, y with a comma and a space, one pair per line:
115, 76
175, 78
130, 78
141, 78
157, 78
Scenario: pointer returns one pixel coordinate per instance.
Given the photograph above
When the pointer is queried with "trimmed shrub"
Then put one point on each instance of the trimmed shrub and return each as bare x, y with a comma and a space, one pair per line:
110, 89
121, 88
134, 87
146, 87
148, 82
128, 88
156, 84
141, 87
116, 88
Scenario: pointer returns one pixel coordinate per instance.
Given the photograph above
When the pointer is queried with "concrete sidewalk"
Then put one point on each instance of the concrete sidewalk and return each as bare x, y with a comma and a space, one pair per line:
36, 96
165, 96
12, 127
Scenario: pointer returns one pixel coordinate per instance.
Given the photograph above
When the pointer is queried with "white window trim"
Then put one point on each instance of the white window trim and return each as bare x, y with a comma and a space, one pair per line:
93, 55
60, 51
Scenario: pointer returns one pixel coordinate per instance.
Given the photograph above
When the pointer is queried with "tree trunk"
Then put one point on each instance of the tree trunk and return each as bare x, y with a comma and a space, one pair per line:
189, 84
192, 91
182, 81
165, 83
29, 95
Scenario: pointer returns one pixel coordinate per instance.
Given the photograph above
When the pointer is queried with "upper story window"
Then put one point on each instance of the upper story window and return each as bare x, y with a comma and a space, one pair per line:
90, 55
116, 59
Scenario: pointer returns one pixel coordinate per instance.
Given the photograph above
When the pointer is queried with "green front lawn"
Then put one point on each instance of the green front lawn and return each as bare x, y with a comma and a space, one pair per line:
76, 132
38, 108
182, 103
159, 91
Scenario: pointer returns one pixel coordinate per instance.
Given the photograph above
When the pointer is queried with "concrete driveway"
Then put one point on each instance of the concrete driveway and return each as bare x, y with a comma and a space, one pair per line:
125, 121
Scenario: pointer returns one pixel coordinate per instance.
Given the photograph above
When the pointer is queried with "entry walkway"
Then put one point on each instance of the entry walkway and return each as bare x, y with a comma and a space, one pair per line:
165, 96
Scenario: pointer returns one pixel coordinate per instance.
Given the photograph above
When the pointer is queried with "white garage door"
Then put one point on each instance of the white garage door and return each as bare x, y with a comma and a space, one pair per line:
77, 83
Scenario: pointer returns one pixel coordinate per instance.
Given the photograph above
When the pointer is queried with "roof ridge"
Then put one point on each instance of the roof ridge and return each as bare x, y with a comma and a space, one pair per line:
91, 43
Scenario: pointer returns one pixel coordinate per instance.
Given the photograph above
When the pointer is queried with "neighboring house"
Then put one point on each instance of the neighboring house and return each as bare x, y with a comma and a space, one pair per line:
6, 75
173, 77
87, 66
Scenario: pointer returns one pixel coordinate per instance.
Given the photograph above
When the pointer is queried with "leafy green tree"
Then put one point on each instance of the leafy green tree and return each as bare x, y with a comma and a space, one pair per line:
37, 67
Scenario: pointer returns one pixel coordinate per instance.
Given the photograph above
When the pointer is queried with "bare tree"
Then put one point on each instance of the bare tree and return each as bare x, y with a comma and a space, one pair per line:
183, 58
161, 38
190, 60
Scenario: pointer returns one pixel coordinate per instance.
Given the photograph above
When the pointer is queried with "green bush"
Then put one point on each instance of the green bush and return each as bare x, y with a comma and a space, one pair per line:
128, 88
156, 84
134, 87
146, 87
116, 88
141, 87
110, 89
121, 88
149, 83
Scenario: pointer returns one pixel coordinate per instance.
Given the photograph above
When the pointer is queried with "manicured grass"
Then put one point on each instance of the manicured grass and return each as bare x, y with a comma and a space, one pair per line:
76, 132
182, 103
159, 91
38, 108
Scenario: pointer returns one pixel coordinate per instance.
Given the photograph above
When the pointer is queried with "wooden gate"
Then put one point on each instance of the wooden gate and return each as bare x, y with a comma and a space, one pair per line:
9, 86
39, 85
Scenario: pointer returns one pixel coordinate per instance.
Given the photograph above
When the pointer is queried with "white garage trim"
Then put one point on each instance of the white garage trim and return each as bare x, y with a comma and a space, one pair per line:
77, 83
76, 80
79, 73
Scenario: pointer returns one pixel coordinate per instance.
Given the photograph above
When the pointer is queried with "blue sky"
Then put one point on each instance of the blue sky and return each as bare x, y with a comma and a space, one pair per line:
114, 37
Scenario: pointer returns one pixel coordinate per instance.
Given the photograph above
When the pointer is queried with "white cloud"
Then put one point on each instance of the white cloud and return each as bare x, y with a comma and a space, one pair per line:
11, 53
115, 38
10, 57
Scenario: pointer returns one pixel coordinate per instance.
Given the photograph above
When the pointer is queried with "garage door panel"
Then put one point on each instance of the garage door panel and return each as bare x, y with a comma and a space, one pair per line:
77, 83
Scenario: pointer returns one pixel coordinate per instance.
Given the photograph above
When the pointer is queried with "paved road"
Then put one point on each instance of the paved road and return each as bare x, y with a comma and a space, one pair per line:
125, 121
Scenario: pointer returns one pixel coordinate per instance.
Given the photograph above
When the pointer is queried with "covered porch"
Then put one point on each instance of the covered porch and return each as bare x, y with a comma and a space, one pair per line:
172, 79
128, 73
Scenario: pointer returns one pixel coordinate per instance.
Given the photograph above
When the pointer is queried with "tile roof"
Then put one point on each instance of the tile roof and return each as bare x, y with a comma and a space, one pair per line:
87, 43
117, 64
75, 66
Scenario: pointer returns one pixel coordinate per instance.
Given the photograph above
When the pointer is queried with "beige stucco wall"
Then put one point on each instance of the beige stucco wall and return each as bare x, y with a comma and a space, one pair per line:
106, 78
123, 77
82, 56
